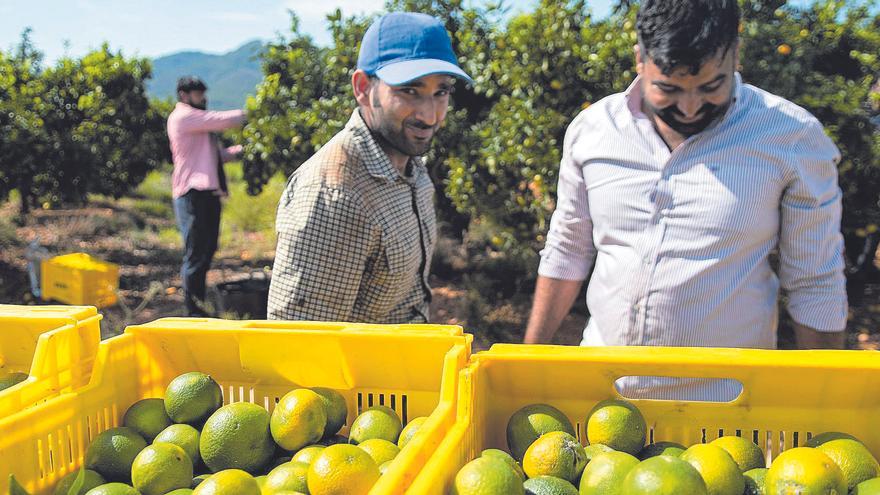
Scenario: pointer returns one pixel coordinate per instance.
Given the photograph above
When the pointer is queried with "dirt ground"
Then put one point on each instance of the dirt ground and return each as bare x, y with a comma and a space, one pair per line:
149, 278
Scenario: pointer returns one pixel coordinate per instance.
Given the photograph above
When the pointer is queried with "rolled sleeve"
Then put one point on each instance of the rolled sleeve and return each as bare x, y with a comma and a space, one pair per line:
211, 121
810, 243
320, 259
231, 153
569, 252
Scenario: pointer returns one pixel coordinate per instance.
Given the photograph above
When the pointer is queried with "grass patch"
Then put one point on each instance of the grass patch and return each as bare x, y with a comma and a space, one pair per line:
169, 236
153, 208
244, 215
156, 185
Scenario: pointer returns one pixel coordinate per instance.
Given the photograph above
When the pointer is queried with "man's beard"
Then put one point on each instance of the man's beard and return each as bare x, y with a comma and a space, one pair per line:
201, 106
710, 113
395, 137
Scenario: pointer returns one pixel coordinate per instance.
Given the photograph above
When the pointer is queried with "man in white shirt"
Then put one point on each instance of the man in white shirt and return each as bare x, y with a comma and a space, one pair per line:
674, 193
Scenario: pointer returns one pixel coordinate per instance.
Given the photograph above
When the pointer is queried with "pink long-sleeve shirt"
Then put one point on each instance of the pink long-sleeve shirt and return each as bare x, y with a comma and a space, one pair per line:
194, 150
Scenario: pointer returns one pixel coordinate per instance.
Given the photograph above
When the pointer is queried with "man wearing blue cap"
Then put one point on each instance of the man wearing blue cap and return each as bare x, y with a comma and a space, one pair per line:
356, 224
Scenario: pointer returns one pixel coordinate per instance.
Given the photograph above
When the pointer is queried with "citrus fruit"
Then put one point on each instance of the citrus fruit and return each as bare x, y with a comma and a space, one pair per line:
112, 452
342, 469
91, 479
827, 437
291, 476
380, 450
548, 485
555, 454
605, 473
185, 437
197, 480
307, 454
274, 463
532, 421
805, 471
335, 408
147, 417
237, 436
180, 491
376, 422
299, 419
663, 475
333, 440
755, 481
160, 468
718, 469
384, 467
595, 449
410, 430
504, 456
869, 487
745, 452
661, 448
228, 482
487, 476
853, 459
192, 397
113, 489
617, 424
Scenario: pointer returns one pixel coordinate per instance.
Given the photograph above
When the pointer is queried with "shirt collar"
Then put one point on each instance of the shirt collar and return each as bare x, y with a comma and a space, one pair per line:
633, 99
376, 161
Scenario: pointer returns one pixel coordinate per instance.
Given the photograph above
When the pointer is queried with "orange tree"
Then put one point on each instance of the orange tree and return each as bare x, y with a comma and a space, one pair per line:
81, 126
20, 123
825, 58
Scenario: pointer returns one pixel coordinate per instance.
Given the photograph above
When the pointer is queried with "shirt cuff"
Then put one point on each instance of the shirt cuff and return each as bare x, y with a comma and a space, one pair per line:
826, 315
559, 266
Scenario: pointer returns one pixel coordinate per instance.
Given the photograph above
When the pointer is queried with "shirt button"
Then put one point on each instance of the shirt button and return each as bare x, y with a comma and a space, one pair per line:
646, 260
637, 307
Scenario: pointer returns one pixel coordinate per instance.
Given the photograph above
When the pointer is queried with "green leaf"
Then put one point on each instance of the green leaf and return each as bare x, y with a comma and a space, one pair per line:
15, 487
78, 482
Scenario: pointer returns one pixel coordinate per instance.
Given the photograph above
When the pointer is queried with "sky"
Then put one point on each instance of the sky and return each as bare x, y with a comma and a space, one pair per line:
158, 27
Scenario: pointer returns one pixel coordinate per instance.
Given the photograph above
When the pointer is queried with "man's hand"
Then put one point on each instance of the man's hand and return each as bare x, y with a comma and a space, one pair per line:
553, 301
808, 338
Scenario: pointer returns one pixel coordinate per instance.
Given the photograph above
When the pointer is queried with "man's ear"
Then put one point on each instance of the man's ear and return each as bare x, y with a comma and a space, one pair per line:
361, 85
640, 64
736, 62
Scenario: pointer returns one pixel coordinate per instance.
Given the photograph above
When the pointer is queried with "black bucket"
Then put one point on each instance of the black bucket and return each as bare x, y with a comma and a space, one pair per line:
246, 298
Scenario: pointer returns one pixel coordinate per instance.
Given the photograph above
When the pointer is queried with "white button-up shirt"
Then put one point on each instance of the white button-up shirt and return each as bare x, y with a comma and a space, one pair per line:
679, 242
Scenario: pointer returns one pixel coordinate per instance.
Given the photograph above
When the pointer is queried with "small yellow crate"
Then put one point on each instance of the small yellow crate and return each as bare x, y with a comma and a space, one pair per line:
78, 278
787, 397
413, 370
54, 345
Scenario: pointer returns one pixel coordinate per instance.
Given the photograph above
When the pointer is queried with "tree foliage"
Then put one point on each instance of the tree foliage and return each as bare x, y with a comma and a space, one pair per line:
81, 126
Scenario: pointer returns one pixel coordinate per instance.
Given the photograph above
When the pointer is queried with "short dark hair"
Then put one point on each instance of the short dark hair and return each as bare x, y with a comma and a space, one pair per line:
190, 83
686, 33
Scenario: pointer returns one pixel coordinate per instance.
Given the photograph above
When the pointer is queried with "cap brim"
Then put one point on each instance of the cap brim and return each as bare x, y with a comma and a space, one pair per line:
399, 73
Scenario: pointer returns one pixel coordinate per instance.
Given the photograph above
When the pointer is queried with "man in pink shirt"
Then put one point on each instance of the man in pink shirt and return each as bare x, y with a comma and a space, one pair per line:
198, 182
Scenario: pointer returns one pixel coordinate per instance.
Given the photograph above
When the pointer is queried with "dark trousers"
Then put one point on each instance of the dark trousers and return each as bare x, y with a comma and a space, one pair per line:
198, 217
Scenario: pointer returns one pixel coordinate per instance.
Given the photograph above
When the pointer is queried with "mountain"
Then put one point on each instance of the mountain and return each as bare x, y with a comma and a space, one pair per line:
230, 77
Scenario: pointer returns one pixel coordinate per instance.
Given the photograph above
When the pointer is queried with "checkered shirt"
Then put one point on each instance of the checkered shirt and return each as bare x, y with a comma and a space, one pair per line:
355, 236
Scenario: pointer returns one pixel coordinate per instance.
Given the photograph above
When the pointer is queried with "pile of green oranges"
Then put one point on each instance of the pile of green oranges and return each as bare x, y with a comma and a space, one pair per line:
546, 458
188, 442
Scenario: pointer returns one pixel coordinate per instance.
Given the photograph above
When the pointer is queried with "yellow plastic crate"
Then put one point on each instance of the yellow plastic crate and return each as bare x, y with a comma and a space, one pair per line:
54, 345
413, 370
787, 396
79, 279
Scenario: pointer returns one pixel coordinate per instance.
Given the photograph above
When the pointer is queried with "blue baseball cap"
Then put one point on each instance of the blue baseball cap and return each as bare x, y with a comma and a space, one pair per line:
403, 46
